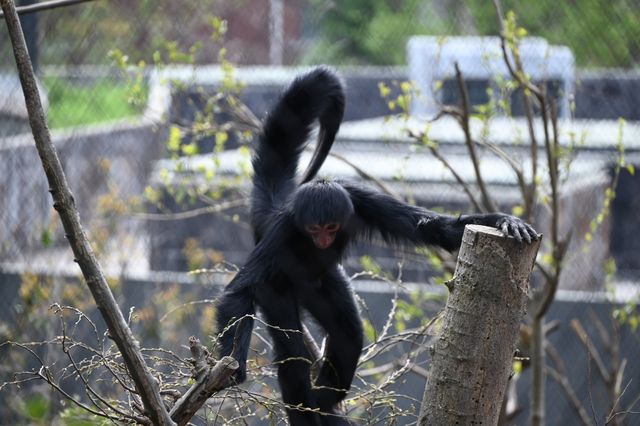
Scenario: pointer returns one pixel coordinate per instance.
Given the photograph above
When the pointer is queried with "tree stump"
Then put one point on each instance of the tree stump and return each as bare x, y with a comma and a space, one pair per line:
472, 357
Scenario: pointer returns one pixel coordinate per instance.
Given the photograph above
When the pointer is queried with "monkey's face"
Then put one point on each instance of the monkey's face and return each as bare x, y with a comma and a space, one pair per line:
323, 235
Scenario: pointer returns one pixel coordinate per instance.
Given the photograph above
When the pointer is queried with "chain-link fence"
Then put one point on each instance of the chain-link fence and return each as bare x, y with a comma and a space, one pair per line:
157, 156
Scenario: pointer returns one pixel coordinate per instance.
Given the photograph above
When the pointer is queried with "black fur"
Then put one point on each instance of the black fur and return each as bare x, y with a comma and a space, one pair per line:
321, 201
317, 95
286, 271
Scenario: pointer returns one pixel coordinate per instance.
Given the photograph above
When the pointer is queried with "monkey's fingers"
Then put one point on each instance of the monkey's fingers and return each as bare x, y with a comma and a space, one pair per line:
504, 227
532, 232
515, 231
525, 234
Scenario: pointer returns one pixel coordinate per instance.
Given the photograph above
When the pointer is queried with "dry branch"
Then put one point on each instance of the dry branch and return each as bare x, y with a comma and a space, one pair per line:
487, 203
210, 378
64, 204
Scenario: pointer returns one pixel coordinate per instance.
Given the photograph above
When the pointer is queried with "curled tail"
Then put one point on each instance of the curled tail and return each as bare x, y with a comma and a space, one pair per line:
235, 314
317, 94
330, 118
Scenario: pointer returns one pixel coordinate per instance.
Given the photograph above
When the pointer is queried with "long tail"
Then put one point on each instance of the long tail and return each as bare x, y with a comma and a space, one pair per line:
316, 95
330, 119
235, 314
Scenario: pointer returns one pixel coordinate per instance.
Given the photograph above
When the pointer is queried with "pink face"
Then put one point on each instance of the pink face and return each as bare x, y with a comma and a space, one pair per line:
323, 235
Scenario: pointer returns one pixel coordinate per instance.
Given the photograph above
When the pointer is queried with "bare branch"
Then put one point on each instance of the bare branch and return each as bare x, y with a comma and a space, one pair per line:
64, 203
592, 352
560, 376
487, 202
363, 174
209, 379
311, 345
465, 187
217, 208
612, 413
517, 71
559, 247
602, 331
571, 395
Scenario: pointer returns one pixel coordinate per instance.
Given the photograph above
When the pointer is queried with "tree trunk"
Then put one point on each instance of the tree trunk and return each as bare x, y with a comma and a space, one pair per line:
472, 357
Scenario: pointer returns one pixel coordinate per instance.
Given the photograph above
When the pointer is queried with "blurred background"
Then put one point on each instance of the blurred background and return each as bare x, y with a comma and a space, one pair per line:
153, 107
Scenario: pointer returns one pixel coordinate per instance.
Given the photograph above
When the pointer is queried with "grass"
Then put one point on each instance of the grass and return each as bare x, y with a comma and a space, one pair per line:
73, 104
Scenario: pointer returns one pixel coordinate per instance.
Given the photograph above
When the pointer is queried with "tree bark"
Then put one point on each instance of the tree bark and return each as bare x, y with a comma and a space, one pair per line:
472, 357
210, 378
63, 202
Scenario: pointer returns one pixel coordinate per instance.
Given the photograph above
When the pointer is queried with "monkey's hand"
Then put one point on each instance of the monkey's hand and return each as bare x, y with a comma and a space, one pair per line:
512, 226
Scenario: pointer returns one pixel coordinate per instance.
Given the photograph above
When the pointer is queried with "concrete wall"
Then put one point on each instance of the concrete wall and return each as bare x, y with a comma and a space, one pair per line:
130, 149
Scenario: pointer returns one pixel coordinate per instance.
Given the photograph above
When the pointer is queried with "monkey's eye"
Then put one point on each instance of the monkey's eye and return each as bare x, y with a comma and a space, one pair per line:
332, 227
312, 229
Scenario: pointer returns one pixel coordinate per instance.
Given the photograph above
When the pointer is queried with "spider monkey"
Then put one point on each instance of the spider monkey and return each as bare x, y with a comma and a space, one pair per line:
302, 231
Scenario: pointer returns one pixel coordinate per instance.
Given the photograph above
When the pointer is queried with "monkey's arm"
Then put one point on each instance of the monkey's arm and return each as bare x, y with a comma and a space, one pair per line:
234, 315
447, 230
399, 222
236, 307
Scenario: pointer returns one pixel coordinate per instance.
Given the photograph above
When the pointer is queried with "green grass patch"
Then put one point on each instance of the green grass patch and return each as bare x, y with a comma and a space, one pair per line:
76, 104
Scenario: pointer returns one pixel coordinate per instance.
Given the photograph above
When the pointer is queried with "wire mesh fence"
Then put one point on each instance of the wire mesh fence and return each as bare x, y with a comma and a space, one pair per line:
138, 101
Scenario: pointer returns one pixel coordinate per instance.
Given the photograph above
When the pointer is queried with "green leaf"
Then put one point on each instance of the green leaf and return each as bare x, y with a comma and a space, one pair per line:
369, 330
190, 149
45, 238
368, 264
517, 367
403, 102
221, 139
384, 90
36, 407
219, 28
175, 138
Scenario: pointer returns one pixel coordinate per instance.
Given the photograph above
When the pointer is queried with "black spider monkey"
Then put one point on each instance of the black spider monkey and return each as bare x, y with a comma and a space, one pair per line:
302, 231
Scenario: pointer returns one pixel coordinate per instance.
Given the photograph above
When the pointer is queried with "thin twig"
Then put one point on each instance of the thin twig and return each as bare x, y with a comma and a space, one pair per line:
500, 153
559, 247
217, 208
612, 413
311, 345
592, 352
64, 203
464, 122
571, 395
600, 328
465, 187
516, 71
624, 413
560, 376
529, 193
93, 396
363, 174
